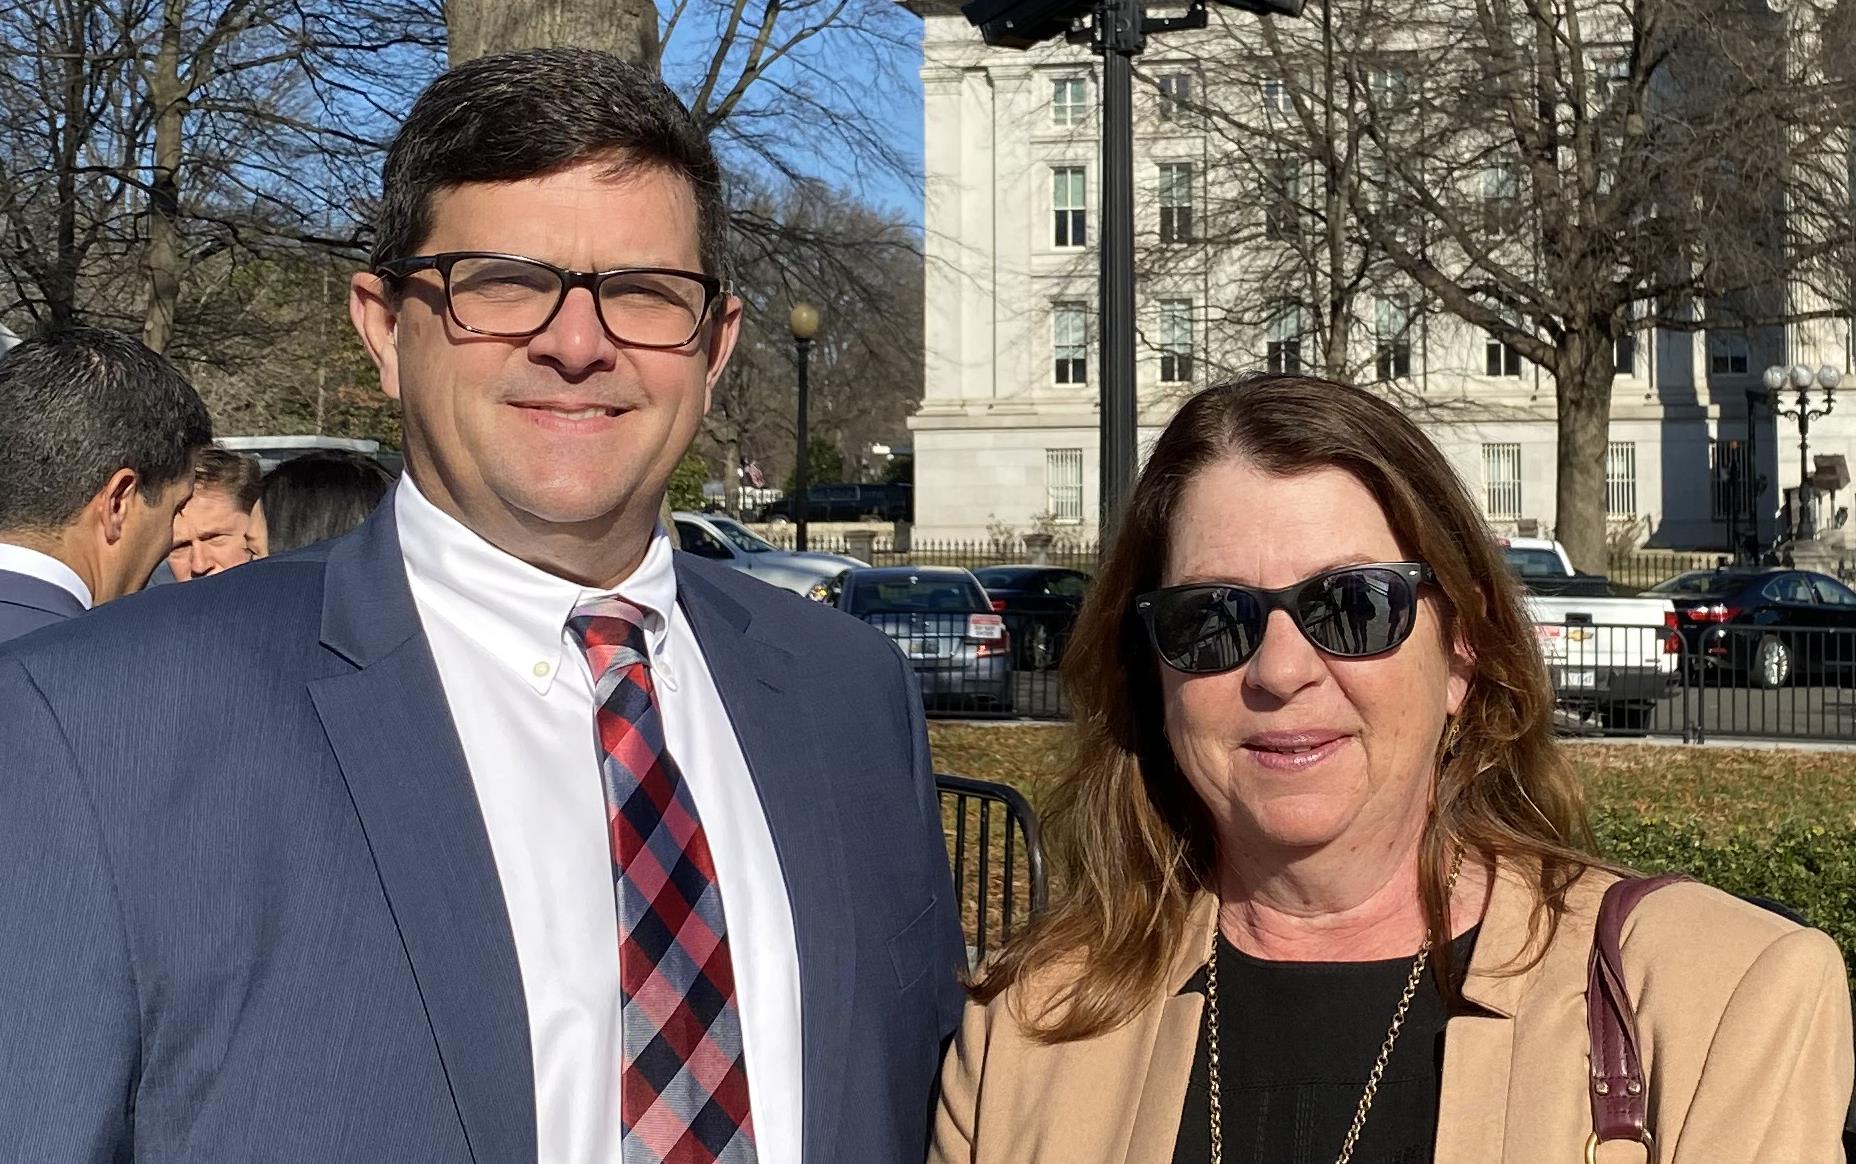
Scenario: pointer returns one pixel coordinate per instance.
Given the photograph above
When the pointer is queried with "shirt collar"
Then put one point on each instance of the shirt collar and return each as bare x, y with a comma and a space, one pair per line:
44, 567
515, 611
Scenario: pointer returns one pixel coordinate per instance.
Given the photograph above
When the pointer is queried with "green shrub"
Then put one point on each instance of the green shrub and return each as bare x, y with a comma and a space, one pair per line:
1805, 867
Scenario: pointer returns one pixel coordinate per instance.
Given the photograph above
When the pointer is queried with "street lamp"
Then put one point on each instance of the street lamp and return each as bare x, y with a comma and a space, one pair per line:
804, 322
1801, 379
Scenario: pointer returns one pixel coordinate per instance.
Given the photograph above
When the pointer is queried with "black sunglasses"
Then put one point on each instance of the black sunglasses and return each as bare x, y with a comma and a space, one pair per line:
1352, 612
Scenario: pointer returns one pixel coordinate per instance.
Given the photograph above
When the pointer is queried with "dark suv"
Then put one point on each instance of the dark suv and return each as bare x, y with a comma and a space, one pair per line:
847, 503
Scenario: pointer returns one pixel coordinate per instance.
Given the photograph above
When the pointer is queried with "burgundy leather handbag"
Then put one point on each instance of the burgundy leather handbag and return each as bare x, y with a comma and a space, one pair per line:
1620, 1097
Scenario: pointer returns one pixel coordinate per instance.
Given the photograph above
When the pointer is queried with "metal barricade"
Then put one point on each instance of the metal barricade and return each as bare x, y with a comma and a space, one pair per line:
997, 854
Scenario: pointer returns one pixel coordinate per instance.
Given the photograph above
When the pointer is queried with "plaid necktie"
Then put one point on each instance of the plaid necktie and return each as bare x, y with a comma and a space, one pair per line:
684, 1088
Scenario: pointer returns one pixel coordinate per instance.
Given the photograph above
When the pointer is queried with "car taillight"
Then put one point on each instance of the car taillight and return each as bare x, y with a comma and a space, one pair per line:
1672, 644
1717, 612
998, 606
1669, 619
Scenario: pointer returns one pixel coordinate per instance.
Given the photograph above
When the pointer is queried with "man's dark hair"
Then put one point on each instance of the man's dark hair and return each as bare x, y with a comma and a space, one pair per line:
238, 476
320, 495
511, 116
79, 404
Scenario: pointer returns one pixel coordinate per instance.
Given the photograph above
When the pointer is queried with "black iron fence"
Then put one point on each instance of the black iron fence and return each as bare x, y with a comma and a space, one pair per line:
1698, 681
997, 855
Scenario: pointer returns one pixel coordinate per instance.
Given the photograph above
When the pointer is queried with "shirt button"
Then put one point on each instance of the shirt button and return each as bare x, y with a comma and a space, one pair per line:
541, 670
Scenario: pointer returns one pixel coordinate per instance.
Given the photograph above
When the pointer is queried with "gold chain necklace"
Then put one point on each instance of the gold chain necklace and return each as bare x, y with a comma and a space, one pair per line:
1379, 1064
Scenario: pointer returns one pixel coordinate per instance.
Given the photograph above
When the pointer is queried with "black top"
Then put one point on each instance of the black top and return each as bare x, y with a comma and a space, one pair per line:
1296, 1043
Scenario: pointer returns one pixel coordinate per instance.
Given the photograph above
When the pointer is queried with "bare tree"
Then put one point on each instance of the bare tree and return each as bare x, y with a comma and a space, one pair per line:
1565, 174
624, 28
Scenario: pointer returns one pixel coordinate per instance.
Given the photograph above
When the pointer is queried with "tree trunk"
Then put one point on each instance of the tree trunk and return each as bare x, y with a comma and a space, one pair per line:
1586, 366
625, 28
162, 260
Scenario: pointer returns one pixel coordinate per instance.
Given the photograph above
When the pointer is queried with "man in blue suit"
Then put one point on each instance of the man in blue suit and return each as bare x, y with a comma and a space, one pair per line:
97, 440
493, 831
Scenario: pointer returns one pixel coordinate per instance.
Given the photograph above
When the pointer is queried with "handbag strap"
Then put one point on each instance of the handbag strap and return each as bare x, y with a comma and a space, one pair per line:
1620, 1103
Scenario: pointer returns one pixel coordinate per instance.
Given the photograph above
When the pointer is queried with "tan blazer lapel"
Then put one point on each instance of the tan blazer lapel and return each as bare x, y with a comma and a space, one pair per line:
1174, 1044
1479, 1046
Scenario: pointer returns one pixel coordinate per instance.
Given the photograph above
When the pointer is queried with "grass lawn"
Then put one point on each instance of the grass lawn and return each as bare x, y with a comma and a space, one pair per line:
1719, 789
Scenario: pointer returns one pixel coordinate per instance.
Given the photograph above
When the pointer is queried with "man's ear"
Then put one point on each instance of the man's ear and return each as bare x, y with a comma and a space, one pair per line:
723, 334
112, 503
375, 314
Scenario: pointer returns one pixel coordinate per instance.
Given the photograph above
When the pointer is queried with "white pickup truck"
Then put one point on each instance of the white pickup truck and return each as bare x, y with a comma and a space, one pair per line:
1612, 658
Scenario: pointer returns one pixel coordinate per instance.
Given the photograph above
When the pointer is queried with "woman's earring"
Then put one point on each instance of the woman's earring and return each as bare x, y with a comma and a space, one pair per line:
1453, 735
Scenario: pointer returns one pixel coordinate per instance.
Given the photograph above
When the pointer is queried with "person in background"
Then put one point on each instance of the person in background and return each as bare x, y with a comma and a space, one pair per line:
211, 530
315, 497
97, 440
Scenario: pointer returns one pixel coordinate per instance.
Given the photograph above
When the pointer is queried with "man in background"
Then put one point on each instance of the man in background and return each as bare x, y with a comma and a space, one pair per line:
212, 532
97, 440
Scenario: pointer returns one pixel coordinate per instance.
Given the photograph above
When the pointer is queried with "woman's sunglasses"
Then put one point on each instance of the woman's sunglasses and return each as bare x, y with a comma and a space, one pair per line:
1351, 613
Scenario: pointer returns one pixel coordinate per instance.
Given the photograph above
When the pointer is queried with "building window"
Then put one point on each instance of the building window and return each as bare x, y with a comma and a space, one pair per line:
1175, 96
1390, 87
1069, 101
1284, 355
1501, 481
1063, 483
1392, 339
1624, 360
1728, 468
1621, 479
1277, 98
1175, 340
1175, 202
1500, 357
1501, 196
1282, 196
1069, 326
1727, 353
1069, 210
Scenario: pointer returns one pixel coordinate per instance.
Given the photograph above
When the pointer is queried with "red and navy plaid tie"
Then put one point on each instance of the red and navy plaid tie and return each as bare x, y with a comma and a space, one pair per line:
684, 1088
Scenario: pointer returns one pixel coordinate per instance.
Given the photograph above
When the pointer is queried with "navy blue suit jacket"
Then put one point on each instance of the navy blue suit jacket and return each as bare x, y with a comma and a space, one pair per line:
28, 603
249, 911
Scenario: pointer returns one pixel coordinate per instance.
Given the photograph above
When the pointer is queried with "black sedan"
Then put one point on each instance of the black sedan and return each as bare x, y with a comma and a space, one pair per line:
1039, 604
1772, 625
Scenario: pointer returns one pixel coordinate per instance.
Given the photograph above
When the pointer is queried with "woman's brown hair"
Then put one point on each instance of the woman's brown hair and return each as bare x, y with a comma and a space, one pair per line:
1133, 845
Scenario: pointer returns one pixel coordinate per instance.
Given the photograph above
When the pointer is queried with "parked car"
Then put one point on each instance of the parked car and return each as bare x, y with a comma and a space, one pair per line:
1770, 625
1610, 655
942, 620
1039, 604
847, 503
723, 539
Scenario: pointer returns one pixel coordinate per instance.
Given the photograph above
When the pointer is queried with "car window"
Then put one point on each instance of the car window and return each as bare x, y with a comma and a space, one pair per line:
1067, 585
1832, 592
744, 539
918, 595
1789, 588
1534, 563
841, 493
699, 541
1701, 582
999, 577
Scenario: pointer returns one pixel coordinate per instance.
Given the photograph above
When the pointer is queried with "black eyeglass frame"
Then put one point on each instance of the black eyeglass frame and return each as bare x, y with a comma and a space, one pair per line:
713, 290
1288, 599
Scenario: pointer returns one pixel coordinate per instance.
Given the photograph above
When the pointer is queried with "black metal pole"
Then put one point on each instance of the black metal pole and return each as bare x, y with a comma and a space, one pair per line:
1118, 32
801, 500
1733, 502
1754, 486
1806, 526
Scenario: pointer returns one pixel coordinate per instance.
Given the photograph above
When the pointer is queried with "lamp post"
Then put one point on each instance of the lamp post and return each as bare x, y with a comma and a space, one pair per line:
804, 322
1802, 379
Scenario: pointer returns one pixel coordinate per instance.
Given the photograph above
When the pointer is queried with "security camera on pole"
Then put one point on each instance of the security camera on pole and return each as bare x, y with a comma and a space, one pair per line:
1117, 31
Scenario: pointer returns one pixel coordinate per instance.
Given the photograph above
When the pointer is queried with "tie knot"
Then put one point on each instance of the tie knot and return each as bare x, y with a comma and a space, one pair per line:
610, 632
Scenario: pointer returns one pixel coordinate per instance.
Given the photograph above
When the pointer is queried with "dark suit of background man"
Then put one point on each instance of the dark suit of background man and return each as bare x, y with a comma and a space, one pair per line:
97, 440
364, 881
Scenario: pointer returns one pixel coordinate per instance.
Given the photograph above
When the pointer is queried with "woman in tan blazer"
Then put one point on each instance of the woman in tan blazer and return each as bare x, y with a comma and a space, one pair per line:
1328, 891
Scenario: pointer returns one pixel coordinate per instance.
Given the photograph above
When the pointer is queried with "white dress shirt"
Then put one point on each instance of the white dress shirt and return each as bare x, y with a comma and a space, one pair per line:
44, 567
521, 695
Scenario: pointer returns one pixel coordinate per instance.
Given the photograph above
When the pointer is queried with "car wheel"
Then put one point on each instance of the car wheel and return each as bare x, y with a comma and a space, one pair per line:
1772, 663
1040, 649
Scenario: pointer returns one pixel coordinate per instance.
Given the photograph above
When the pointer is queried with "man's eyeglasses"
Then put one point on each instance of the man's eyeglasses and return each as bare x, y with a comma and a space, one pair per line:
513, 296
1351, 613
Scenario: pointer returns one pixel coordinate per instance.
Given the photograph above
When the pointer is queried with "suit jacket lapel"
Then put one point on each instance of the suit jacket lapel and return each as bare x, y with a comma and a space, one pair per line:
762, 686
384, 711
